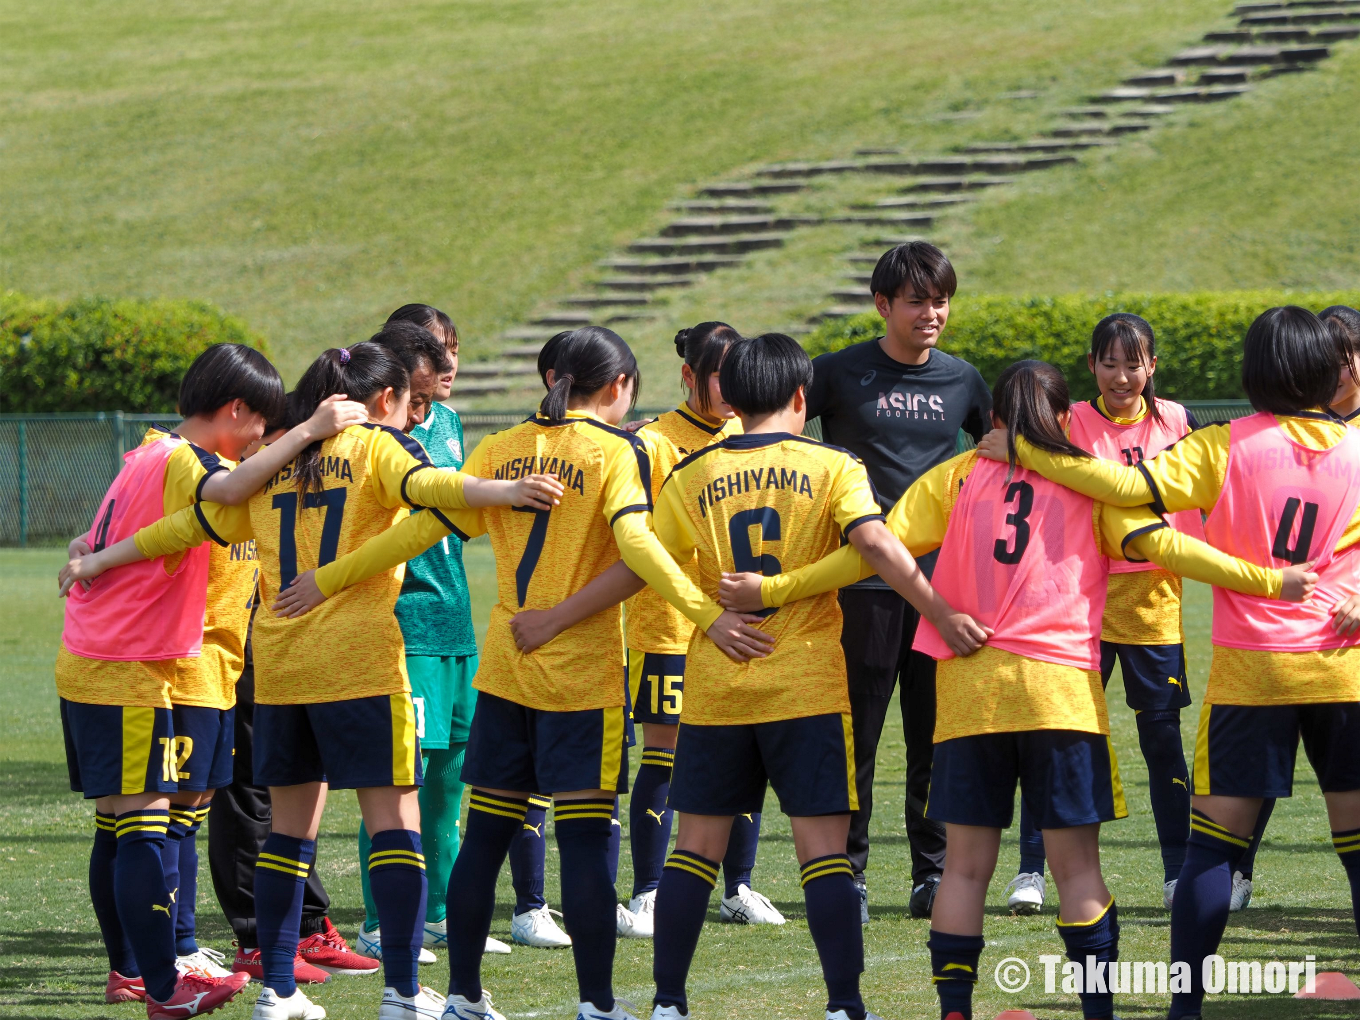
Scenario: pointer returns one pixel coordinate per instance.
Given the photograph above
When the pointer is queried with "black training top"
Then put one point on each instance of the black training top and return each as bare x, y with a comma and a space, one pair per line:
901, 420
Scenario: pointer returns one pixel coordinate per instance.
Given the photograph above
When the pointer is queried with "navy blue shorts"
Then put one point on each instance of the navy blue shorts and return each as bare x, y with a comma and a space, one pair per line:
530, 750
1154, 675
656, 687
1249, 750
112, 749
722, 770
352, 745
205, 741
1067, 778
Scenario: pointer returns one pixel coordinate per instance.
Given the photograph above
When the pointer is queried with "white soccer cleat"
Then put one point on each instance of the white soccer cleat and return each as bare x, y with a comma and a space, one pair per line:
1026, 893
626, 924
458, 1008
496, 947
369, 943
862, 887
587, 1011
749, 907
426, 1004
841, 1014
537, 928
271, 1006
1241, 893
204, 962
436, 935
668, 1013
643, 909
1169, 892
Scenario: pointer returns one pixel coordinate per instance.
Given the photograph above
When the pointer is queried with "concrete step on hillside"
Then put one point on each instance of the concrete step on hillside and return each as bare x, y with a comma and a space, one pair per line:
882, 244
706, 225
923, 220
1038, 145
1099, 130
1202, 56
1196, 94
959, 165
1157, 77
480, 387
861, 279
525, 351
494, 369
833, 166
537, 335
732, 245
672, 267
877, 152
948, 185
1277, 36
857, 296
861, 260
837, 312
728, 208
1310, 17
938, 202
1145, 112
1284, 5
745, 189
631, 284
575, 320
606, 300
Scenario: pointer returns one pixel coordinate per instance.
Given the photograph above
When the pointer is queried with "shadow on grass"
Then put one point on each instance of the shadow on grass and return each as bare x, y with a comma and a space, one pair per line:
34, 783
51, 971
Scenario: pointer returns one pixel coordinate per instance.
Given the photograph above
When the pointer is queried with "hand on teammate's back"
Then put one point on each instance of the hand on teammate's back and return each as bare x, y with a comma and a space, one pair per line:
1299, 582
333, 415
993, 446
738, 638
740, 592
538, 491
300, 597
1346, 616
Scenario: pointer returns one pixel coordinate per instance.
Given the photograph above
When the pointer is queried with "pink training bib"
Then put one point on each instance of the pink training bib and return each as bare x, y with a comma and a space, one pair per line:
1021, 557
1283, 503
1131, 445
138, 612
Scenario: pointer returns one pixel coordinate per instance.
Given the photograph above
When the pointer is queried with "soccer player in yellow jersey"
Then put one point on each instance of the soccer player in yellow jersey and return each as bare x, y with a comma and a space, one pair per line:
763, 501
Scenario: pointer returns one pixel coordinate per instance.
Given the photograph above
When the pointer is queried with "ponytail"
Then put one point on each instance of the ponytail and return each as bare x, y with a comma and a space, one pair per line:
1132, 335
703, 347
1028, 397
587, 360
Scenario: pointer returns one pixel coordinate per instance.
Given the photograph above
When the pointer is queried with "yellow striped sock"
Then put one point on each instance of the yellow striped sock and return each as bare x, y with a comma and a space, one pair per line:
1346, 842
660, 756
695, 865
287, 865
401, 858
105, 822
834, 864
1206, 826
575, 810
540, 801
502, 807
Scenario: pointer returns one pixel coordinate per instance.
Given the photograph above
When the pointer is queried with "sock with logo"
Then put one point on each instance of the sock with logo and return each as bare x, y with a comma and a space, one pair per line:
1092, 943
649, 819
1199, 912
1159, 736
687, 882
280, 876
182, 816
833, 920
1248, 862
1032, 857
103, 854
143, 900
493, 824
441, 802
583, 829
954, 970
396, 872
741, 852
615, 845
186, 920
528, 854
1347, 846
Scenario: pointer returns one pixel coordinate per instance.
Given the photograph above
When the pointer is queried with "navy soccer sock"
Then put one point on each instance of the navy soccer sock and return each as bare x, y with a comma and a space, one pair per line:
954, 970
649, 819
833, 919
1247, 865
741, 852
396, 874
186, 924
1199, 912
102, 857
143, 900
1032, 856
493, 824
1159, 736
280, 877
1092, 943
615, 845
682, 896
181, 817
528, 852
583, 830
1348, 849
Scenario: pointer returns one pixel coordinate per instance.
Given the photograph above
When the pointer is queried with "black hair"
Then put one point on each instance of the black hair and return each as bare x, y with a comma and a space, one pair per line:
761, 374
1343, 322
414, 345
227, 372
703, 347
1131, 335
1289, 361
432, 319
359, 372
1028, 398
547, 357
587, 360
918, 265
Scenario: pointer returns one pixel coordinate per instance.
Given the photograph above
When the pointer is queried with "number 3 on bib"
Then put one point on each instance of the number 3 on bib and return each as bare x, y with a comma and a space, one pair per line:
1022, 494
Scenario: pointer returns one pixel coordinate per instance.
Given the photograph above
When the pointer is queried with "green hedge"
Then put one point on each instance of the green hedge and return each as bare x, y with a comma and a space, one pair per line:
98, 354
1199, 334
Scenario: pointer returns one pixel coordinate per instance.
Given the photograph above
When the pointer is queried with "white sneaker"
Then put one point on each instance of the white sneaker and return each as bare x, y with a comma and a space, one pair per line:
205, 962
668, 1013
626, 923
537, 928
369, 943
436, 935
643, 909
1241, 893
749, 907
426, 1003
587, 1011
1026, 893
1169, 892
862, 887
270, 1006
841, 1014
458, 1008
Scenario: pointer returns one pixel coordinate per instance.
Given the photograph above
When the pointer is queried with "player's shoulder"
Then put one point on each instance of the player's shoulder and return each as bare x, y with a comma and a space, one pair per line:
373, 434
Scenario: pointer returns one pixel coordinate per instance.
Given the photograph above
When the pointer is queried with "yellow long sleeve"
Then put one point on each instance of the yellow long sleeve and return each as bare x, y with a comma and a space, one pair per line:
1103, 480
193, 526
1138, 533
835, 570
645, 556
399, 543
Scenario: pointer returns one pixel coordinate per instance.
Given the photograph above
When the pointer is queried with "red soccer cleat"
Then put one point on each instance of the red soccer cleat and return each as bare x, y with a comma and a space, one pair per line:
249, 962
124, 989
327, 950
196, 995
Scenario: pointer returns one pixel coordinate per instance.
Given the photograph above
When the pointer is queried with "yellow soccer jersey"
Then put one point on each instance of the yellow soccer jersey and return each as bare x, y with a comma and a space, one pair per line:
766, 502
350, 646
654, 625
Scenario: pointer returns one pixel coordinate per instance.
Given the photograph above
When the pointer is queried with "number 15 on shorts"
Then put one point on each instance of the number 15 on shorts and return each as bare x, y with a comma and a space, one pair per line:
668, 694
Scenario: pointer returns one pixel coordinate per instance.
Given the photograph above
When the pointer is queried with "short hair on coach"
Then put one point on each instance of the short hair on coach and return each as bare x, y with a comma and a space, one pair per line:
917, 265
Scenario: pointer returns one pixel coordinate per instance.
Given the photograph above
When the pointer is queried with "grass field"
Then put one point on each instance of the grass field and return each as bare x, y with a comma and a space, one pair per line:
52, 964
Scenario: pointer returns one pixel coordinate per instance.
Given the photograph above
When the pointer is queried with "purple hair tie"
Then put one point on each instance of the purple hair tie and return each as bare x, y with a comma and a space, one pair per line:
344, 355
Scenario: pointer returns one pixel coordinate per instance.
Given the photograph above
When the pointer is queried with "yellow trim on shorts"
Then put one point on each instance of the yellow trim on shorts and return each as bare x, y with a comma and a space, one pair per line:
1201, 776
1121, 806
611, 753
139, 730
847, 726
403, 740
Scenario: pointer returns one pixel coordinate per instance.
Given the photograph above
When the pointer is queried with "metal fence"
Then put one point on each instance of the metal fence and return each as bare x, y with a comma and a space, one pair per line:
55, 468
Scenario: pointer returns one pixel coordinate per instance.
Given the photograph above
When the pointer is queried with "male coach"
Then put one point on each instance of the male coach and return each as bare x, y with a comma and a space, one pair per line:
898, 404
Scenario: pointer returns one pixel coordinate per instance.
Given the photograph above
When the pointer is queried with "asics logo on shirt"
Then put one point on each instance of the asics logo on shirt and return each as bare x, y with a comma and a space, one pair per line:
868, 377
895, 404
